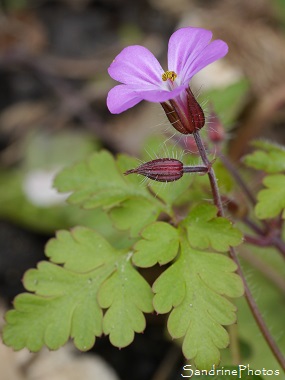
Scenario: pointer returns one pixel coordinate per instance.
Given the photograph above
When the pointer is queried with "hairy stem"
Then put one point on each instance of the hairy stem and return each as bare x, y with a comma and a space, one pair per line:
211, 173
250, 300
195, 169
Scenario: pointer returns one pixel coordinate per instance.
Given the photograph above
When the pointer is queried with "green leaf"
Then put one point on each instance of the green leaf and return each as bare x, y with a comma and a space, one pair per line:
65, 301
94, 182
206, 230
64, 306
80, 250
133, 214
197, 286
126, 295
99, 182
160, 244
271, 201
271, 159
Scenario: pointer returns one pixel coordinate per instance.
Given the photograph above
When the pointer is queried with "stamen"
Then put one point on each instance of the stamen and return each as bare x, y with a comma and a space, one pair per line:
169, 75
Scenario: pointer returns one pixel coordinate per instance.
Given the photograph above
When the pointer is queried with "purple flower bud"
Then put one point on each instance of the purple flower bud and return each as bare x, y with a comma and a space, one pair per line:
185, 113
197, 117
162, 170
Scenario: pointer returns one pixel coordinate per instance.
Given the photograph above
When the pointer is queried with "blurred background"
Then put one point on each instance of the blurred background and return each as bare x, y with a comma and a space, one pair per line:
54, 57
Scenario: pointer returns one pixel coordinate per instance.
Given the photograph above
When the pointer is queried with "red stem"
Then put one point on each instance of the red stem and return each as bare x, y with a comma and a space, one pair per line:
211, 173
250, 300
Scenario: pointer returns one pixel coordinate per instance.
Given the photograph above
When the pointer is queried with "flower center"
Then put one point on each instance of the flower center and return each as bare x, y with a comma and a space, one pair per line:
169, 75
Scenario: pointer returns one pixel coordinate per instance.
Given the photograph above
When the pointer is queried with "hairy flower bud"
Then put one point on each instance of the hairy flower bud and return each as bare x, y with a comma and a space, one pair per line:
185, 113
166, 169
174, 118
161, 169
197, 117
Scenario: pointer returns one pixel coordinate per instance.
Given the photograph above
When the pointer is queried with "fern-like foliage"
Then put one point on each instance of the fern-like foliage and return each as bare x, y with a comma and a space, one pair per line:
193, 290
270, 158
90, 287
271, 200
68, 300
205, 230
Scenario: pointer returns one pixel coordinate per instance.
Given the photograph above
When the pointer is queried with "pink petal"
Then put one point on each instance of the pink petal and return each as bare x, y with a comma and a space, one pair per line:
159, 96
184, 46
122, 97
214, 51
136, 65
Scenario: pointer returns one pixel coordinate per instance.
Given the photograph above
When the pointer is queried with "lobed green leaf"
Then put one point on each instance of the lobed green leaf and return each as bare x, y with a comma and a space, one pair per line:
65, 300
271, 201
64, 306
80, 250
160, 244
99, 182
134, 214
272, 161
94, 182
206, 230
126, 294
196, 287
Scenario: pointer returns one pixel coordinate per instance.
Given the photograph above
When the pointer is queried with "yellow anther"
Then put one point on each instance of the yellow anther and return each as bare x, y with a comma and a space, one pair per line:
169, 75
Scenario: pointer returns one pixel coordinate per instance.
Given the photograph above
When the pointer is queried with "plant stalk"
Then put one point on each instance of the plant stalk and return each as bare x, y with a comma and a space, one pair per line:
250, 300
211, 173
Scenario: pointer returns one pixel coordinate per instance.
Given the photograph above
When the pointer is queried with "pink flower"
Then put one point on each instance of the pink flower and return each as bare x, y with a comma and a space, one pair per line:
142, 77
